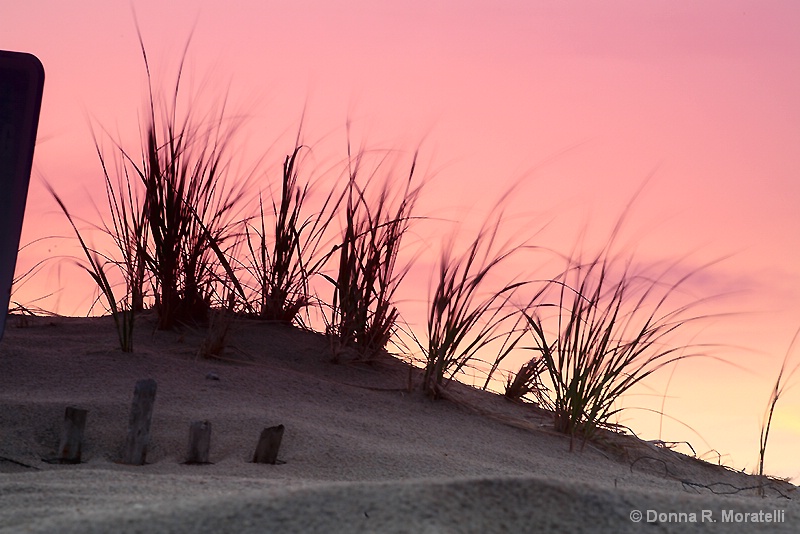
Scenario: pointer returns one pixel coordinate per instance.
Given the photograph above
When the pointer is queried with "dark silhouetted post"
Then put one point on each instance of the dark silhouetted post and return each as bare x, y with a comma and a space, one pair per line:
21, 84
144, 395
69, 449
268, 445
199, 442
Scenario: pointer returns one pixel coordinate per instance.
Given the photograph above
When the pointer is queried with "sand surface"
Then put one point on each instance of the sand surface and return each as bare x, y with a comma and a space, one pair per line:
360, 453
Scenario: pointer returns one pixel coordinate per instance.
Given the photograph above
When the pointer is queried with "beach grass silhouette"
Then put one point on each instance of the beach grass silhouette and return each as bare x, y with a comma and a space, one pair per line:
281, 270
606, 330
362, 312
466, 314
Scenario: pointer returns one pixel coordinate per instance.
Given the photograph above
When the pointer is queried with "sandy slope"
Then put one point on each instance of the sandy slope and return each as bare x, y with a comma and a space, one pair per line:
360, 453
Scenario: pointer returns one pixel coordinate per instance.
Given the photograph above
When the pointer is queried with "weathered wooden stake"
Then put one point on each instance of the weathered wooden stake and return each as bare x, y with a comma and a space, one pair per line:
69, 449
268, 445
199, 442
144, 395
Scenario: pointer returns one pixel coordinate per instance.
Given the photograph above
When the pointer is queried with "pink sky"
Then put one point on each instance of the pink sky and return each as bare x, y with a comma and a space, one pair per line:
582, 101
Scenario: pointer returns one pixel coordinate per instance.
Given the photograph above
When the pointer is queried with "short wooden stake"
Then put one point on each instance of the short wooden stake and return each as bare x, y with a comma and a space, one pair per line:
144, 395
268, 445
199, 442
69, 449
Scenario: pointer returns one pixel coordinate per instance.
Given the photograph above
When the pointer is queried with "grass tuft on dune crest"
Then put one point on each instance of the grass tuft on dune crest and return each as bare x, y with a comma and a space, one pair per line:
469, 310
363, 312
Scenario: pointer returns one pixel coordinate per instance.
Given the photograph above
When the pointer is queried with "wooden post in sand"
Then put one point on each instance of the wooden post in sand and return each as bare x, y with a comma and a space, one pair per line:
69, 449
268, 444
199, 442
144, 395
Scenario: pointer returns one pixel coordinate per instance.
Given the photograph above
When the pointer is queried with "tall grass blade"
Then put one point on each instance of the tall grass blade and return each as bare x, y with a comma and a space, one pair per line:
777, 392
123, 316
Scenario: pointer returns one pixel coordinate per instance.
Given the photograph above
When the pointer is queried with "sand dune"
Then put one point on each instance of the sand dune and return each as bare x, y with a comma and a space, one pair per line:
360, 453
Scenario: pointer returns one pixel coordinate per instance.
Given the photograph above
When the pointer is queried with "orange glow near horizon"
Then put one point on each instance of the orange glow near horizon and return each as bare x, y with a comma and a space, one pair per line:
577, 104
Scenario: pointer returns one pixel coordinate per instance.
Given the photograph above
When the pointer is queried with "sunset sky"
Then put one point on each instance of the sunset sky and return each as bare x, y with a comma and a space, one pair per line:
576, 102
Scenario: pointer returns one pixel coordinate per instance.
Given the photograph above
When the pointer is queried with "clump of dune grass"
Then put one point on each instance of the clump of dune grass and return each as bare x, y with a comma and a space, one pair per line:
609, 329
467, 312
282, 268
186, 215
777, 392
363, 310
